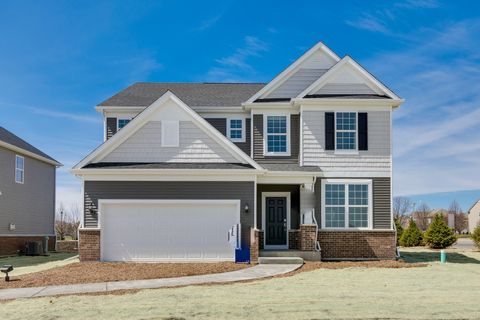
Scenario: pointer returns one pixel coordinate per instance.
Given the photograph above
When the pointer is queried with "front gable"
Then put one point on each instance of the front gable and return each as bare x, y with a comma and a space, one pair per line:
144, 139
299, 75
347, 78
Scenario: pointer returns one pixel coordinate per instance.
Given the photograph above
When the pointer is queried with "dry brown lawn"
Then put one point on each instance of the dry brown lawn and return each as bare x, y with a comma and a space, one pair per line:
89, 272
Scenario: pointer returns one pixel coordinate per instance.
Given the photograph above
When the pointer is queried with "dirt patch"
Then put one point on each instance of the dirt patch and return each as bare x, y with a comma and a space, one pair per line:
89, 272
310, 265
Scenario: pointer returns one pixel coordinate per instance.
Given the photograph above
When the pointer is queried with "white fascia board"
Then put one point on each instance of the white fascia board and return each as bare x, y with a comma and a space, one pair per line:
347, 60
354, 104
293, 179
29, 154
238, 109
280, 78
123, 109
143, 117
356, 174
276, 110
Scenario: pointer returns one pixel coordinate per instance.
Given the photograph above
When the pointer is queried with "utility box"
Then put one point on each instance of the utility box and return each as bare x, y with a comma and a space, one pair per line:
242, 255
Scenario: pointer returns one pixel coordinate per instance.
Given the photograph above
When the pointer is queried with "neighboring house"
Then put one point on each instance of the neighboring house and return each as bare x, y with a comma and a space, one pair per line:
27, 194
183, 162
474, 216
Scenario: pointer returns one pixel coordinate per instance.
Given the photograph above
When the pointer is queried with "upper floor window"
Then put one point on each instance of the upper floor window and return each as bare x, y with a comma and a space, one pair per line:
19, 169
122, 123
277, 135
346, 130
346, 204
236, 130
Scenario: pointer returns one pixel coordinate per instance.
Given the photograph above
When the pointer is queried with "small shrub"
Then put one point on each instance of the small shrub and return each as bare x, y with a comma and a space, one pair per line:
476, 236
399, 228
439, 235
412, 236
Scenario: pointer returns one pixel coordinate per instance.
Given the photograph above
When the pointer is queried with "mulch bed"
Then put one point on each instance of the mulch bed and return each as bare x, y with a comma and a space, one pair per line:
89, 272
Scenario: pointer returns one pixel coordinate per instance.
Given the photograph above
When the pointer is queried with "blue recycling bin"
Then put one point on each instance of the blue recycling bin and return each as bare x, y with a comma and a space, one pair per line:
242, 255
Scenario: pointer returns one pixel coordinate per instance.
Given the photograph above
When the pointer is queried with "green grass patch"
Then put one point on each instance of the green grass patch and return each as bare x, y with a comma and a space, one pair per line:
27, 261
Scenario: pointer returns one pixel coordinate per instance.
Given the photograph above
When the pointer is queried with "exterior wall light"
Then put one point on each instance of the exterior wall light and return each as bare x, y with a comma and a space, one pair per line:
246, 208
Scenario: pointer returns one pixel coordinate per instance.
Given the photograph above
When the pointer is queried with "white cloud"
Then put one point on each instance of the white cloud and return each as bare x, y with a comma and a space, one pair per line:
370, 23
208, 23
436, 141
64, 115
69, 196
236, 67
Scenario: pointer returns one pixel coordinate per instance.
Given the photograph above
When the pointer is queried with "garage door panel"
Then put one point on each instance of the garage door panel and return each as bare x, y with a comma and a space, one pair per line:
157, 231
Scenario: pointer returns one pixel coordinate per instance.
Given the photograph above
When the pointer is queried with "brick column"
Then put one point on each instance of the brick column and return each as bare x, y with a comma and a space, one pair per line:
89, 244
254, 244
307, 237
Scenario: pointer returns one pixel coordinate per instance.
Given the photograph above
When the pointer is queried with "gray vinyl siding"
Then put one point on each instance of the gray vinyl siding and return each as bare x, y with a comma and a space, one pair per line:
111, 127
258, 132
31, 205
374, 160
95, 190
382, 202
195, 146
294, 202
221, 125
298, 82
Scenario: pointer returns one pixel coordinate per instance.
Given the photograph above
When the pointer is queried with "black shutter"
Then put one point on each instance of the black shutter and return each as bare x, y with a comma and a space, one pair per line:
111, 127
329, 131
362, 131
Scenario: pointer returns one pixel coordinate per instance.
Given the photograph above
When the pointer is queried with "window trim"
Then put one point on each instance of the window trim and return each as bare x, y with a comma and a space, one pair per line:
346, 182
265, 135
163, 144
346, 151
242, 139
118, 122
21, 169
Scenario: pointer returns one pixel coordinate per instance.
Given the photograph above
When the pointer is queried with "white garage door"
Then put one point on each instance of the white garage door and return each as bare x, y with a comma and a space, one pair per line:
167, 230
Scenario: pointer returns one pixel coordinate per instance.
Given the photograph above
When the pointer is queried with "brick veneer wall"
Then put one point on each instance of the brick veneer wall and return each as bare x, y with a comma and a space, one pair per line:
11, 245
254, 244
307, 237
89, 245
294, 239
357, 244
261, 235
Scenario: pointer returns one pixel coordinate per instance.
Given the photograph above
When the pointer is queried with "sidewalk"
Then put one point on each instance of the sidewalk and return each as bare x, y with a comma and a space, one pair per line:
256, 272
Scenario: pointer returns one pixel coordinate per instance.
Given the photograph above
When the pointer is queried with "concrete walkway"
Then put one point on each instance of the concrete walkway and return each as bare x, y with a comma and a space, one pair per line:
256, 272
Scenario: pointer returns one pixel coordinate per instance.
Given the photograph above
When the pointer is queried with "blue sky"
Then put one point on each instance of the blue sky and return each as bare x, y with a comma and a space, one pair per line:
61, 58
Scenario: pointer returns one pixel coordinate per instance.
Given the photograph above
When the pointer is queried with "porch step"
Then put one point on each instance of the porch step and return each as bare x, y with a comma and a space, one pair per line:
305, 255
280, 260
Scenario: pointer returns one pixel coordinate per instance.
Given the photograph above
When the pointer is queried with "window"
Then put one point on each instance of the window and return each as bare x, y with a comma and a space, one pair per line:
19, 169
122, 123
277, 140
346, 204
236, 130
170, 134
346, 130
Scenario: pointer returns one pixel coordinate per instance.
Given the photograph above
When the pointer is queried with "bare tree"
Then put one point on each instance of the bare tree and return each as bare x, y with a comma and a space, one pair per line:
422, 216
461, 219
402, 207
61, 225
74, 220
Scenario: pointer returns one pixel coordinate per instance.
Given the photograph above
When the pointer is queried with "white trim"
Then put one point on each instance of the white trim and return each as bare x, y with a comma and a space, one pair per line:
242, 119
175, 130
347, 60
265, 135
265, 195
144, 116
119, 108
192, 202
273, 109
29, 154
20, 169
281, 78
346, 182
354, 104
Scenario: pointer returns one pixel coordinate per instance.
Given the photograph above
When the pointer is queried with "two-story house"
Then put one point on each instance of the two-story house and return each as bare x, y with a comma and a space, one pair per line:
27, 194
301, 163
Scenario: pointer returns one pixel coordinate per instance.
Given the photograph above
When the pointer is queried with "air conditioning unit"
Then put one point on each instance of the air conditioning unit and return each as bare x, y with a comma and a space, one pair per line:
33, 248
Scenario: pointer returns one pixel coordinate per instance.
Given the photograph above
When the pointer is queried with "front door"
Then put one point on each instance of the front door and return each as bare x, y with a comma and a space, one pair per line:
276, 221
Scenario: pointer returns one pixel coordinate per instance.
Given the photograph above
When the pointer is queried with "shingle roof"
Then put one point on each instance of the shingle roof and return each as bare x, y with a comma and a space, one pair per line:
8, 137
347, 96
143, 94
165, 165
